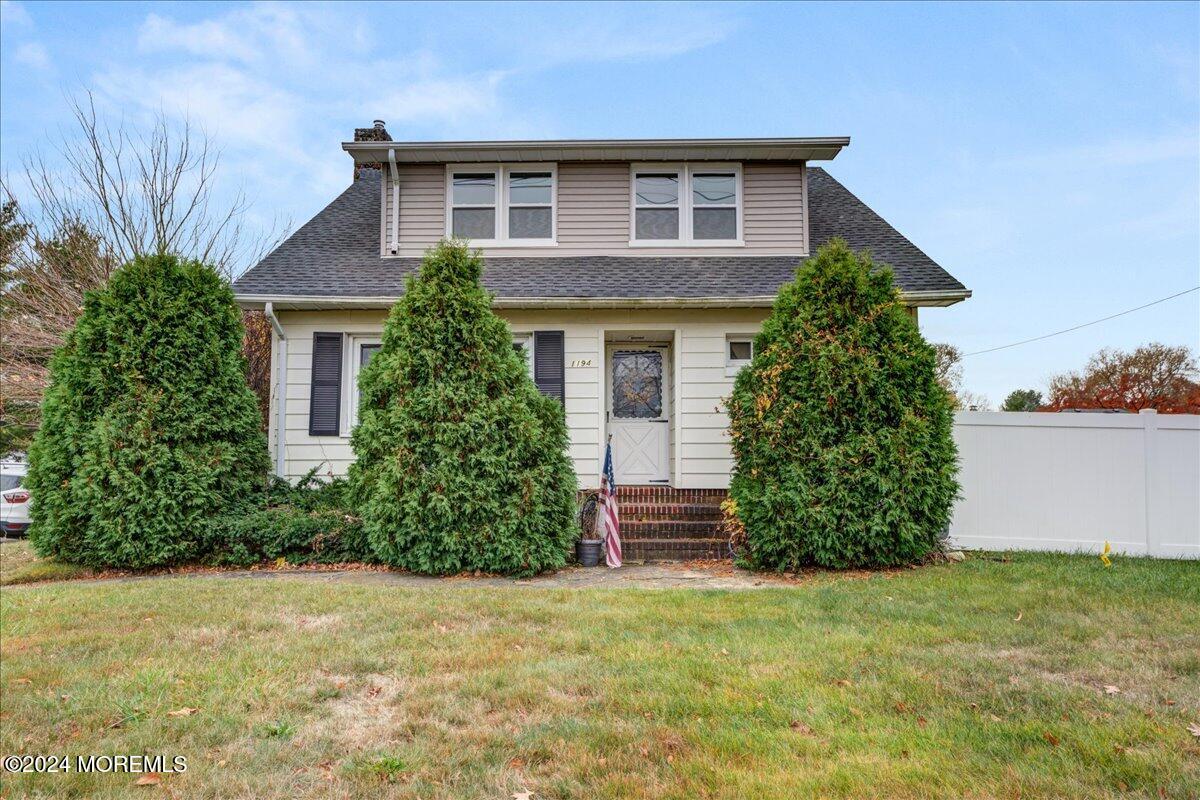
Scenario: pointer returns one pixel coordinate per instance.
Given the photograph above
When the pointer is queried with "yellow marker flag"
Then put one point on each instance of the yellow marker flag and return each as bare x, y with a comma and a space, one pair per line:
1104, 554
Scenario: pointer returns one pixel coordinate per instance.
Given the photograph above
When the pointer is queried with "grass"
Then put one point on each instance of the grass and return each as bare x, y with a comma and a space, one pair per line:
980, 679
19, 564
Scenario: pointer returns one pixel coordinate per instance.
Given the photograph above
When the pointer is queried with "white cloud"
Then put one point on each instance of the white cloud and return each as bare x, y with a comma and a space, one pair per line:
14, 14
262, 33
648, 34
32, 54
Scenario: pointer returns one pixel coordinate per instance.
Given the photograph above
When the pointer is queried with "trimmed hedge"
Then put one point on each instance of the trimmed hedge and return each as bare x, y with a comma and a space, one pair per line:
149, 429
461, 462
303, 524
841, 433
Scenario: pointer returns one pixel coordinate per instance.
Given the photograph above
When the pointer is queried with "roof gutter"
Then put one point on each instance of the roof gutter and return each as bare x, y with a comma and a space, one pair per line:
297, 302
280, 391
395, 222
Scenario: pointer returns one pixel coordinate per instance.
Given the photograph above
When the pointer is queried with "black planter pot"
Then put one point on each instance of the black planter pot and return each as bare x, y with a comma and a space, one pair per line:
587, 551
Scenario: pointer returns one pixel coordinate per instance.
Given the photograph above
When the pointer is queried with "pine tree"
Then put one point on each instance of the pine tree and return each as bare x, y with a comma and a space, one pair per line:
841, 433
149, 429
461, 462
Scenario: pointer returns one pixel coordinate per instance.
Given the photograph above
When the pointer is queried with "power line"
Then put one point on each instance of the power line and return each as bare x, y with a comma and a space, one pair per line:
1086, 324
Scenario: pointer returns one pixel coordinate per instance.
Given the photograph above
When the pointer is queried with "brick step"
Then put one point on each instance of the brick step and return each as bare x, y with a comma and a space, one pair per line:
670, 511
669, 529
673, 549
669, 494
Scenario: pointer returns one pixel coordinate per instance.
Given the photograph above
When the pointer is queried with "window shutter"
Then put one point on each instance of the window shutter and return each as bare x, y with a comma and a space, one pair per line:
325, 399
548, 364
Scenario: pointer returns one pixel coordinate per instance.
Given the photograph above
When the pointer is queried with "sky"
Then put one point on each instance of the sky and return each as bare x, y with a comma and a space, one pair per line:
1047, 155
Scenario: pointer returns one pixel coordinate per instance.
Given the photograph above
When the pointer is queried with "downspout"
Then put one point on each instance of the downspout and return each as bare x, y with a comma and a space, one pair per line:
395, 221
280, 389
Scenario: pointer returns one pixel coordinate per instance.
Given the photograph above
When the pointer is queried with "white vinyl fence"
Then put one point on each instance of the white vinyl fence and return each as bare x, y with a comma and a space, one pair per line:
1071, 482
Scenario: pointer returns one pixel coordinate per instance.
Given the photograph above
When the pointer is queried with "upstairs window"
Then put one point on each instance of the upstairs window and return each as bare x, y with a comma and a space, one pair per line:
687, 204
502, 205
474, 212
656, 201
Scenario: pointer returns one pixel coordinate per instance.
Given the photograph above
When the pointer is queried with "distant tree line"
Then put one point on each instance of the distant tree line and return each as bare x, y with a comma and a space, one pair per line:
1158, 376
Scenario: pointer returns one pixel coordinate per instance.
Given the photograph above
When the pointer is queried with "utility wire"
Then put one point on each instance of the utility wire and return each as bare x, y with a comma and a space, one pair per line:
1086, 324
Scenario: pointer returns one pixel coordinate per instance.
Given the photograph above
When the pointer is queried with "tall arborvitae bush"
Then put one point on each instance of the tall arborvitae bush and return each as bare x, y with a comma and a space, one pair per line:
461, 463
149, 429
841, 433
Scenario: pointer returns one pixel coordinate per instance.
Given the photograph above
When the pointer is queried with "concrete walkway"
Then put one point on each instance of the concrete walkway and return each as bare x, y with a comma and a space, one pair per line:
651, 575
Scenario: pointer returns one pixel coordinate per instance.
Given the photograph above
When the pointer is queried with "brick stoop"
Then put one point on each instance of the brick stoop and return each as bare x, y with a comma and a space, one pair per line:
661, 523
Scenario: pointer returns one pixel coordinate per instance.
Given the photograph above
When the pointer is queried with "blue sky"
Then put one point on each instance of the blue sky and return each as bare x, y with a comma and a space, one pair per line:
1047, 155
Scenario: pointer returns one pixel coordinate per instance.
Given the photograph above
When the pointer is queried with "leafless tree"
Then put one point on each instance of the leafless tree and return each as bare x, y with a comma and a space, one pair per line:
144, 192
107, 194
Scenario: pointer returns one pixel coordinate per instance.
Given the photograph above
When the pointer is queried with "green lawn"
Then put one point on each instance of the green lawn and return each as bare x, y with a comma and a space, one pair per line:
980, 679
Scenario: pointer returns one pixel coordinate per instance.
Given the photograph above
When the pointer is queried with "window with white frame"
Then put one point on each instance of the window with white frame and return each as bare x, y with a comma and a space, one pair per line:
498, 205
697, 204
523, 345
739, 351
362, 349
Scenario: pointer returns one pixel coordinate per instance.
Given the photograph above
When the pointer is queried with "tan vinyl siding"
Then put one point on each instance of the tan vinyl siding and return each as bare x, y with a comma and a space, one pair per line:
593, 212
593, 206
774, 206
700, 456
422, 206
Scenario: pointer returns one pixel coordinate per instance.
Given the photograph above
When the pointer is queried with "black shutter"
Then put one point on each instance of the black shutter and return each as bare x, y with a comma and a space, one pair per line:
548, 366
325, 400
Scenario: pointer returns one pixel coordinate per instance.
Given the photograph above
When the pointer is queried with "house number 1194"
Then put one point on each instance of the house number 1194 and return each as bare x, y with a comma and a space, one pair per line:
581, 362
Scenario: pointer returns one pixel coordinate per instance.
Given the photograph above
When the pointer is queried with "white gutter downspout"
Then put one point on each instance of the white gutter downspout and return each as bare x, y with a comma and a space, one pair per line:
395, 221
280, 390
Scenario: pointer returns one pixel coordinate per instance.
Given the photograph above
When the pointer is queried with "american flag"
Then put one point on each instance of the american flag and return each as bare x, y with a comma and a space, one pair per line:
608, 512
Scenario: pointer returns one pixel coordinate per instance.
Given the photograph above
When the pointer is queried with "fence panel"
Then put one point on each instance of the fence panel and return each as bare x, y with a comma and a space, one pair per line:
1071, 482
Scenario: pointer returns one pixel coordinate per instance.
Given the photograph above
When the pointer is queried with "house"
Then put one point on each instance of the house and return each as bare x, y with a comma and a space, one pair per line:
634, 275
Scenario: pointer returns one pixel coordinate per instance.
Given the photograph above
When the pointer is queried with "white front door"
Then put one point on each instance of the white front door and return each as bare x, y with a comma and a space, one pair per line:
638, 416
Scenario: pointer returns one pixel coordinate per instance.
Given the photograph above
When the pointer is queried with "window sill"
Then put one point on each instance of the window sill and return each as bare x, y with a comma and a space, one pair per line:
500, 244
636, 243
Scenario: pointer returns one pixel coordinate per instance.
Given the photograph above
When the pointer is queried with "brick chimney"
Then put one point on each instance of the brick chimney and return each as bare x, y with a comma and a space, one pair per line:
376, 133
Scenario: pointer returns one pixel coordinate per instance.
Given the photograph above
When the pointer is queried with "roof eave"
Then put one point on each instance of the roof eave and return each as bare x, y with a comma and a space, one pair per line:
821, 148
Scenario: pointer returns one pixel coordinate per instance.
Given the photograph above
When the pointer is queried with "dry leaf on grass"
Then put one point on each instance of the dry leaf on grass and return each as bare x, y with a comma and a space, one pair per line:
526, 795
1017, 618
1194, 729
1112, 690
182, 712
1051, 738
843, 682
800, 727
149, 779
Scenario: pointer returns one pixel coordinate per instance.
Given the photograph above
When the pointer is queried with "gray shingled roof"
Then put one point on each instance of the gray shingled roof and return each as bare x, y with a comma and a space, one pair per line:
336, 254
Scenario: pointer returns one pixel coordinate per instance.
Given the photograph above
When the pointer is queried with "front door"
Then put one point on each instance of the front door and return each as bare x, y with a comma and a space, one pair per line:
638, 416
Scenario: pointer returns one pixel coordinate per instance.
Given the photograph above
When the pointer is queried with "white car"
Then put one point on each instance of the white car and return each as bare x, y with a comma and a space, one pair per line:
14, 499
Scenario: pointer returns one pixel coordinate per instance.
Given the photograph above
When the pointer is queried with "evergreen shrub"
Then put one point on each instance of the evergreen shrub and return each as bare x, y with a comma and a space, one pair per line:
461, 463
841, 433
149, 429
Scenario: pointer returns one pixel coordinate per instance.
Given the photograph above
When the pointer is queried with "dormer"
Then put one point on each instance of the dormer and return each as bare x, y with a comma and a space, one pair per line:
595, 197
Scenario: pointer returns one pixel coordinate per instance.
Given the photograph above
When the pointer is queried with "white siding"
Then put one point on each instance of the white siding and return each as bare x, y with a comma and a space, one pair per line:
700, 445
593, 211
